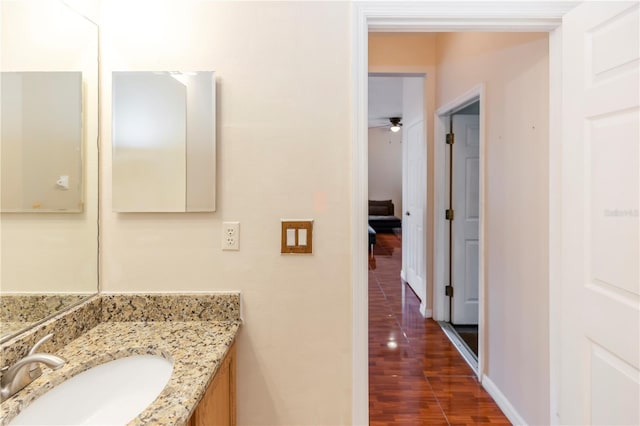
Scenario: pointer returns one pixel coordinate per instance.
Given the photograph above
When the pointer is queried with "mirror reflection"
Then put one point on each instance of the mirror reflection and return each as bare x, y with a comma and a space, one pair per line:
49, 259
41, 136
163, 141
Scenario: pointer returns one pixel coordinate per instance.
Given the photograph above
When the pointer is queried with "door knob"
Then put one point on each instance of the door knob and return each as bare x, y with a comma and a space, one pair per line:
408, 213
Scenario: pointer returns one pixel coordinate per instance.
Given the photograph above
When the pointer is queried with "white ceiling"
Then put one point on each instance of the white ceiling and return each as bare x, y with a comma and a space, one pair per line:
385, 100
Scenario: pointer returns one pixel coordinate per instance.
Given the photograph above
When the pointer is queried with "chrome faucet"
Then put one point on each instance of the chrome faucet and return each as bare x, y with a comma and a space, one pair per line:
27, 369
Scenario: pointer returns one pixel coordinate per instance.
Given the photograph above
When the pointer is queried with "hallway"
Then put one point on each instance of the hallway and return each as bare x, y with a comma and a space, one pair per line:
416, 376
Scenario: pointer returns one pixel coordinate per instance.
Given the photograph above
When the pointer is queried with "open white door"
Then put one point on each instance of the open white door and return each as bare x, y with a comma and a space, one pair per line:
600, 315
465, 226
414, 182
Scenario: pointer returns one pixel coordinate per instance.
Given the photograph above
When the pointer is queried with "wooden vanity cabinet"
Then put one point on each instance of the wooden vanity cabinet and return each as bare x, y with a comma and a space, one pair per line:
218, 405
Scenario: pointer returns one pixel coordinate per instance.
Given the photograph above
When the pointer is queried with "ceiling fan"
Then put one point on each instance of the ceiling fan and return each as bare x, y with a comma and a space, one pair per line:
394, 124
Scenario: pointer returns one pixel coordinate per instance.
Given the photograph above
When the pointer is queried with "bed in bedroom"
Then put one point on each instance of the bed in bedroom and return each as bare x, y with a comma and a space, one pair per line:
381, 216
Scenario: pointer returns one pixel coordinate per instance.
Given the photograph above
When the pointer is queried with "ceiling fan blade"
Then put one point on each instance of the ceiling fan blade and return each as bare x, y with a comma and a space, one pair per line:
386, 123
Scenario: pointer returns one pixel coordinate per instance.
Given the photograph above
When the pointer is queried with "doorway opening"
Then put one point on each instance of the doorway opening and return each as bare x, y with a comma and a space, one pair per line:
397, 172
462, 190
436, 17
459, 231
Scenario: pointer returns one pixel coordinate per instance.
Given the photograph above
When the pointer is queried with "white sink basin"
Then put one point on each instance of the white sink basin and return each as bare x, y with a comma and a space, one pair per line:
109, 394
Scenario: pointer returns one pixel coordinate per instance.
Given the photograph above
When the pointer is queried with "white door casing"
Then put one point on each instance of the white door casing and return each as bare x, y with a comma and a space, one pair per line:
600, 256
414, 184
432, 16
465, 226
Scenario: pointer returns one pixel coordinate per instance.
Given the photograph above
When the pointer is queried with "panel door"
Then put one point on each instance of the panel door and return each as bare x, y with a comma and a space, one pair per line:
600, 316
465, 229
414, 239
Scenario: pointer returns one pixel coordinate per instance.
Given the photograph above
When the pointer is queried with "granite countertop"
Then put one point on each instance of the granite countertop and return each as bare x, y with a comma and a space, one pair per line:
196, 348
10, 328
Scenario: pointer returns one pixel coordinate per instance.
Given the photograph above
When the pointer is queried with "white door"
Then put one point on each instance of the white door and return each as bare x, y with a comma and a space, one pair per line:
414, 188
465, 226
600, 315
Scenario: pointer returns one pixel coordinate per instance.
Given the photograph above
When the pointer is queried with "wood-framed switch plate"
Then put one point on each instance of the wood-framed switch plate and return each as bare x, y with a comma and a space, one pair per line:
297, 236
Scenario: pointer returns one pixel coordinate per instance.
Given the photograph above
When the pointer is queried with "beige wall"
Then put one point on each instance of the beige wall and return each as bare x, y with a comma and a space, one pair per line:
283, 114
385, 167
515, 69
412, 53
53, 252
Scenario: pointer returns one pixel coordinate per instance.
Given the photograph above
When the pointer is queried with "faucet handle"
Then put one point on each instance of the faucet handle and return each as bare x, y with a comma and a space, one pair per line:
39, 343
34, 369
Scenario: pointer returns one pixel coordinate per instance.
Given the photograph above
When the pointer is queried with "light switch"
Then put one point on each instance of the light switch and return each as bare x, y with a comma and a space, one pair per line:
291, 237
297, 236
302, 237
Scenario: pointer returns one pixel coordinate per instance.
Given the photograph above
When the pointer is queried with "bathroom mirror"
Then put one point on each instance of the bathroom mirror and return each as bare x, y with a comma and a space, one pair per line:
41, 134
164, 151
49, 84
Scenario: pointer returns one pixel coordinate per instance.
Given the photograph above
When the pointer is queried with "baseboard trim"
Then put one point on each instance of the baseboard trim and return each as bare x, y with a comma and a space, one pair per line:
502, 401
426, 313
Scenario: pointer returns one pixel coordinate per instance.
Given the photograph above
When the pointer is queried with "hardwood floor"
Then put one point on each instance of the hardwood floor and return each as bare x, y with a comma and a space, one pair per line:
416, 376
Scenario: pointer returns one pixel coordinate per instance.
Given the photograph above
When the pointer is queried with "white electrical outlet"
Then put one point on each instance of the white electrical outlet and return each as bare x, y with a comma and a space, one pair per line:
230, 235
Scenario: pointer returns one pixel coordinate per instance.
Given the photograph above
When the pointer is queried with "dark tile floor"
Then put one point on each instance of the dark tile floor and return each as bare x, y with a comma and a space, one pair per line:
416, 376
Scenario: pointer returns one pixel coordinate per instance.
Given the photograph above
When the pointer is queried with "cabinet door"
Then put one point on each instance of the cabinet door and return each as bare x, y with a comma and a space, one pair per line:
217, 406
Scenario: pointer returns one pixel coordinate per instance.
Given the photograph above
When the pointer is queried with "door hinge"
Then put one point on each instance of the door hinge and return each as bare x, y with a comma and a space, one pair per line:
448, 290
448, 214
450, 138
